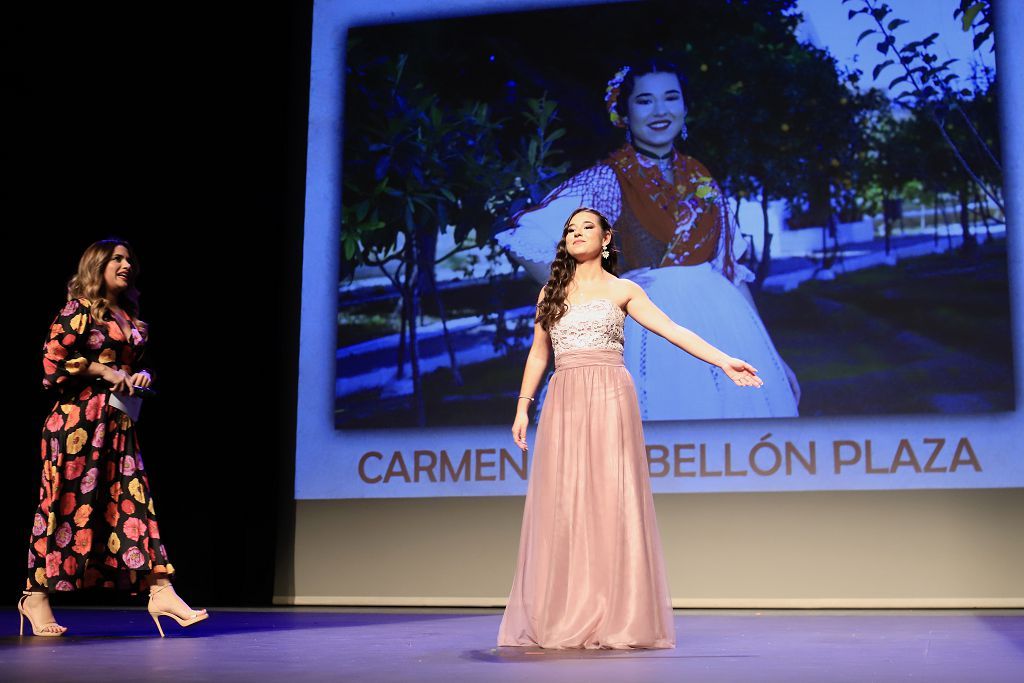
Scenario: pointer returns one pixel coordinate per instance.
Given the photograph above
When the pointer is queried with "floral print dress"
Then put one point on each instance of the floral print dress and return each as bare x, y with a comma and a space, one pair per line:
95, 525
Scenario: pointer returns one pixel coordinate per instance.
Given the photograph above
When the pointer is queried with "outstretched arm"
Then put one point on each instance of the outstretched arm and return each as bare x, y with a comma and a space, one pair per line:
642, 309
533, 373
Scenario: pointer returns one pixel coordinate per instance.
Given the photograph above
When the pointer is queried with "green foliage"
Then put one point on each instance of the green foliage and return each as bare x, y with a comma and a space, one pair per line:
961, 153
416, 166
977, 17
777, 119
533, 169
412, 163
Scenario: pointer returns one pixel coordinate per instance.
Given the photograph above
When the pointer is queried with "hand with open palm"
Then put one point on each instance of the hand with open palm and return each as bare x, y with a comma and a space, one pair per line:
742, 373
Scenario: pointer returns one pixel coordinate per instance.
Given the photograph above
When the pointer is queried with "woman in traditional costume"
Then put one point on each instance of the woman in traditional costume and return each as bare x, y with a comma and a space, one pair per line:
679, 243
590, 572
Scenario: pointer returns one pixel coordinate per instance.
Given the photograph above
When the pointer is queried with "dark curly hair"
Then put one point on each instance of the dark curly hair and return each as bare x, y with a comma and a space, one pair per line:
563, 268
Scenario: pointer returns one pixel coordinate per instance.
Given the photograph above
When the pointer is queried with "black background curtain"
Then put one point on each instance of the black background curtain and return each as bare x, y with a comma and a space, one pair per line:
181, 129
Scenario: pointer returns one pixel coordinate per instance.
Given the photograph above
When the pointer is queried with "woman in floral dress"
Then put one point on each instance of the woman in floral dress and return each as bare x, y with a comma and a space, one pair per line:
96, 525
679, 243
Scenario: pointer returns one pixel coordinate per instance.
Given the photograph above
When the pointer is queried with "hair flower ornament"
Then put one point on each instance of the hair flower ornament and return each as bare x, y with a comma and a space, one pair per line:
611, 96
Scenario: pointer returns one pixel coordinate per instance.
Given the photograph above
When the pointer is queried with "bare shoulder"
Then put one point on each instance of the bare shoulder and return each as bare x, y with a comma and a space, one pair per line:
627, 287
625, 290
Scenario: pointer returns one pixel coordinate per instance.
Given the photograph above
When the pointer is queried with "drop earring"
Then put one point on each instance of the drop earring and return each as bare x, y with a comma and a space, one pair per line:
683, 134
604, 252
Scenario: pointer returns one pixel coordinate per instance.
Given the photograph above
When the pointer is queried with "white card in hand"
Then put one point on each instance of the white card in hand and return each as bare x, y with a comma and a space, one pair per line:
129, 405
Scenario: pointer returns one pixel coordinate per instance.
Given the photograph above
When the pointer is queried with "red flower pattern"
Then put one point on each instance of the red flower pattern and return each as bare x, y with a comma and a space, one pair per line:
53, 564
94, 406
134, 557
63, 544
127, 465
73, 468
89, 480
95, 340
82, 515
112, 514
134, 528
68, 503
63, 536
83, 541
98, 435
72, 418
55, 422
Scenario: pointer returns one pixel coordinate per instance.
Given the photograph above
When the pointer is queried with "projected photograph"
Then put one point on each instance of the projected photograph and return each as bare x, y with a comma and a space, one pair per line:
813, 187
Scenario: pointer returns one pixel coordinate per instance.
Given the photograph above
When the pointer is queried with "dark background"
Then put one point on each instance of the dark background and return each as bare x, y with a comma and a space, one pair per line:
181, 129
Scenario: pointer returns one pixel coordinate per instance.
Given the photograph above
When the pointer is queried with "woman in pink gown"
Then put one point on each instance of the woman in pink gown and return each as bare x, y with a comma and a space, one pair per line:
590, 572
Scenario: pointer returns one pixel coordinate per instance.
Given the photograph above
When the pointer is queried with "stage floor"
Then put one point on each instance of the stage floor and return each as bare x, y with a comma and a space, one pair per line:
294, 645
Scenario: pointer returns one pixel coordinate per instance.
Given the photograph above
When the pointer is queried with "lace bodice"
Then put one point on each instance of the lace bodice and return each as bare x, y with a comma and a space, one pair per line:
594, 324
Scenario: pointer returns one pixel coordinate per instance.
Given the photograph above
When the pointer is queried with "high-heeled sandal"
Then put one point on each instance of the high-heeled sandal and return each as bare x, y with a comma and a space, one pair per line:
36, 630
197, 615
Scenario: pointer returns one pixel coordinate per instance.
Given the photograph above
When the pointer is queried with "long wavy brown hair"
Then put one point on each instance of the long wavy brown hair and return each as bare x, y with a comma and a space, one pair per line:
563, 268
88, 283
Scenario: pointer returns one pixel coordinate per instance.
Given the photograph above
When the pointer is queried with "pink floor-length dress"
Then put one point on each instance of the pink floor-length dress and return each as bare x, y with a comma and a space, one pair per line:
590, 572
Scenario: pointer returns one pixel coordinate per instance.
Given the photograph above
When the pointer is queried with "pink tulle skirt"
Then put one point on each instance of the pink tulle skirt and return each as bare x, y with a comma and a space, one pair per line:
590, 572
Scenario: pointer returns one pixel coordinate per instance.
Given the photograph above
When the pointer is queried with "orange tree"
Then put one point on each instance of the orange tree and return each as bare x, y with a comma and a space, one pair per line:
776, 115
416, 166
